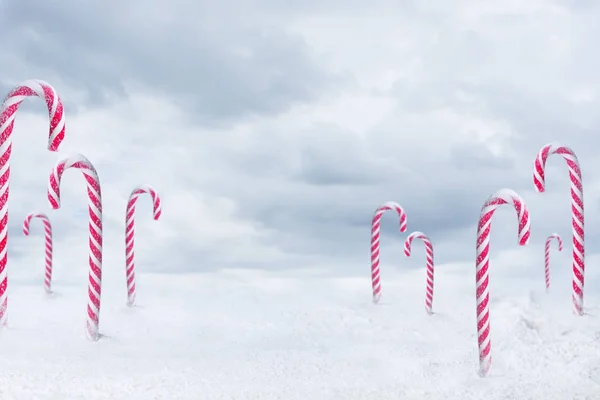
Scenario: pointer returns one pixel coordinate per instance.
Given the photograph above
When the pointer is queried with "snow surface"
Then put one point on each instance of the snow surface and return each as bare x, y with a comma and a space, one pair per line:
245, 334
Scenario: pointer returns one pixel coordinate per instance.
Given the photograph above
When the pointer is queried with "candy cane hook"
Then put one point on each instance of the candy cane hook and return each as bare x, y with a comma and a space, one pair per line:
8, 110
547, 256
375, 229
130, 233
577, 220
48, 240
429, 252
482, 294
95, 231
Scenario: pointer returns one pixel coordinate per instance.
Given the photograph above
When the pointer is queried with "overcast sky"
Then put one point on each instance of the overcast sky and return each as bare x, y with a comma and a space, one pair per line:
272, 130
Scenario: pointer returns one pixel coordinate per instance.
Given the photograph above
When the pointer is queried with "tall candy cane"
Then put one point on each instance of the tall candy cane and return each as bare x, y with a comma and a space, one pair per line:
547, 256
48, 238
482, 294
375, 228
130, 233
539, 180
429, 252
95, 231
8, 110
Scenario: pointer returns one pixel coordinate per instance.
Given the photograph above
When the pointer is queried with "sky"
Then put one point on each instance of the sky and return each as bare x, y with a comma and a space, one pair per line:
273, 130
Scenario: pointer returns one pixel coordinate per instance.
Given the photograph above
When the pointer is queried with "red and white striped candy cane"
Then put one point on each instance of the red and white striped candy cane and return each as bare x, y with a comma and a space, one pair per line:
130, 233
375, 228
95, 231
547, 256
539, 180
482, 294
48, 239
7, 120
429, 252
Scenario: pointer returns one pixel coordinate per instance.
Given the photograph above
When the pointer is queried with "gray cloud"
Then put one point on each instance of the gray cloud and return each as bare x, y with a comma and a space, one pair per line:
470, 157
220, 70
274, 133
332, 214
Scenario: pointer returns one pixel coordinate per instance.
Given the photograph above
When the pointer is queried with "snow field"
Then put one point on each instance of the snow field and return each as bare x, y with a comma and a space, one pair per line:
239, 334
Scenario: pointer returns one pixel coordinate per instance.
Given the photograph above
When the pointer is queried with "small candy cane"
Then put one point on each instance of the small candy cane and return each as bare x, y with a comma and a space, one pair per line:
375, 229
130, 234
547, 256
48, 239
429, 252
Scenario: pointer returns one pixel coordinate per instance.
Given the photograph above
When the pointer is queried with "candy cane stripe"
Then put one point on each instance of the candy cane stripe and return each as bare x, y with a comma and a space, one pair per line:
482, 294
81, 163
375, 231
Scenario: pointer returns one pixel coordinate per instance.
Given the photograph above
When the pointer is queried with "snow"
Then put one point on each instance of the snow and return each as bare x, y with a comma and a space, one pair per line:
246, 334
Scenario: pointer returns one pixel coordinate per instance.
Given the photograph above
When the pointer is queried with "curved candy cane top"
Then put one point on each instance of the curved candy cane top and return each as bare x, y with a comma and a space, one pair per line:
42, 89
391, 205
32, 215
558, 239
411, 237
539, 171
505, 196
141, 189
91, 176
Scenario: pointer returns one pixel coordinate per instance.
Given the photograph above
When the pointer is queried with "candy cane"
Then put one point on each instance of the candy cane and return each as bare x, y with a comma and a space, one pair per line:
48, 237
547, 256
7, 120
482, 294
429, 251
375, 228
130, 233
95, 230
539, 180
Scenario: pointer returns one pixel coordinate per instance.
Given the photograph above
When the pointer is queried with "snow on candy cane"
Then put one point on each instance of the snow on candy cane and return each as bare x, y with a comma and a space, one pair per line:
7, 120
375, 228
547, 256
539, 180
130, 234
429, 252
95, 231
48, 240
482, 294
